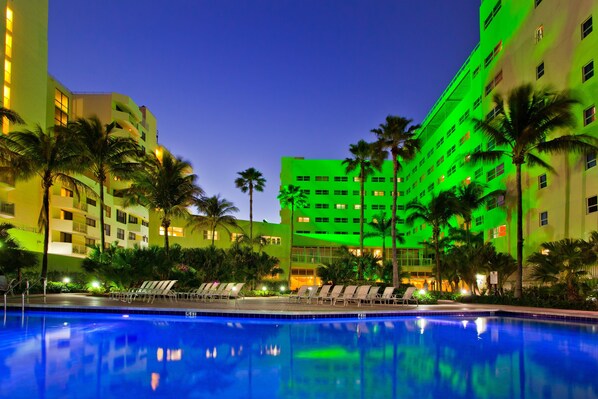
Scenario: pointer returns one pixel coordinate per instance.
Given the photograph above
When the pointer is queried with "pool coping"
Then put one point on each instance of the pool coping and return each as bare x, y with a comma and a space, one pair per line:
535, 314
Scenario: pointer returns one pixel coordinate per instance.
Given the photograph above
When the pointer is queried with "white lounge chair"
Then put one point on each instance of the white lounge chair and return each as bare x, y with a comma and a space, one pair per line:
223, 292
198, 293
212, 290
346, 295
372, 295
334, 294
165, 292
387, 295
301, 293
361, 295
407, 297
322, 294
188, 294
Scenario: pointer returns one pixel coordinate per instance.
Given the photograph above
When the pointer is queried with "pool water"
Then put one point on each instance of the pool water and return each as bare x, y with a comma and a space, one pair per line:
60, 355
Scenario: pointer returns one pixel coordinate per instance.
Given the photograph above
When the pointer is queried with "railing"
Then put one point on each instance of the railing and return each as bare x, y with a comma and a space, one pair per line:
80, 205
80, 227
79, 249
28, 287
7, 208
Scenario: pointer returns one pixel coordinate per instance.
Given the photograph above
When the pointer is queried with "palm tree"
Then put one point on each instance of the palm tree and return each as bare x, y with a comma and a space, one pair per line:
471, 197
396, 136
104, 154
520, 130
53, 157
214, 212
381, 227
365, 159
164, 183
10, 115
437, 213
249, 180
292, 197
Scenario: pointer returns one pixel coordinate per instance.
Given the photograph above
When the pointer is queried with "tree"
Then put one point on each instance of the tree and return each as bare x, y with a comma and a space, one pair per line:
525, 119
249, 180
292, 197
104, 154
382, 229
565, 260
396, 136
10, 116
214, 212
437, 213
365, 159
54, 157
164, 183
470, 198
13, 258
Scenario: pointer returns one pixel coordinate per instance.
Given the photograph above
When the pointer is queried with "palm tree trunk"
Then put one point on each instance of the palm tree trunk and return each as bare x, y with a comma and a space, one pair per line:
393, 227
251, 214
291, 243
361, 217
46, 211
166, 225
519, 284
102, 232
435, 237
213, 234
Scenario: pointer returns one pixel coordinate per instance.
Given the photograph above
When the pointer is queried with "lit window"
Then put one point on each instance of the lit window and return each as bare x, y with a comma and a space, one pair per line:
587, 71
179, 232
357, 179
207, 234
340, 206
303, 219
467, 181
465, 138
65, 192
235, 236
590, 160
271, 240
539, 35
592, 204
440, 161
441, 179
321, 178
499, 231
542, 181
543, 218
7, 70
9, 19
8, 45
357, 206
378, 193
540, 70
589, 115
586, 28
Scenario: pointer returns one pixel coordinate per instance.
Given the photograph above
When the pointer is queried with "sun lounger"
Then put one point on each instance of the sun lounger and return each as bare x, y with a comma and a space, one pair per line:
322, 294
223, 292
407, 297
301, 293
334, 294
346, 295
188, 294
198, 292
372, 295
387, 295
212, 290
235, 293
361, 295
165, 292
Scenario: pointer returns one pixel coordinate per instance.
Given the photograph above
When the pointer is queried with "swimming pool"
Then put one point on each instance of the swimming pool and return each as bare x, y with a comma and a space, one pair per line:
73, 355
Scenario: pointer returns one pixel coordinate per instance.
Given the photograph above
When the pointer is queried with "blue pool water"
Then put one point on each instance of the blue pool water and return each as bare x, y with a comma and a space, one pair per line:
58, 355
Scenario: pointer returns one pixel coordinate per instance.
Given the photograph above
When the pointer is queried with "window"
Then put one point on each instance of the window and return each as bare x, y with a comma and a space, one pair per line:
452, 170
145, 223
107, 211
306, 192
494, 112
539, 34
476, 71
494, 172
451, 151
322, 220
320, 232
65, 192
356, 220
358, 207
236, 236
90, 242
589, 115
303, 178
537, 3
322, 192
441, 141
341, 220
540, 70
61, 108
431, 169
586, 28
107, 229
440, 161
592, 204
587, 71
494, 82
66, 237
499, 231
121, 216
542, 181
378, 207
357, 179
477, 102
543, 218
322, 206
464, 138
133, 219
341, 192
590, 160
207, 235
340, 206
422, 194
120, 234
400, 207
341, 178
90, 201
493, 54
478, 173
378, 179
441, 179
302, 232
492, 14
132, 236
431, 187
272, 240
479, 220
421, 162
378, 193
495, 202
90, 222
66, 215
321, 178
303, 219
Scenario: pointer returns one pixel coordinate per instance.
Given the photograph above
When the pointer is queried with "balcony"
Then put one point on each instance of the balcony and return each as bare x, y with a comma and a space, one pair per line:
68, 226
7, 210
68, 248
68, 203
7, 182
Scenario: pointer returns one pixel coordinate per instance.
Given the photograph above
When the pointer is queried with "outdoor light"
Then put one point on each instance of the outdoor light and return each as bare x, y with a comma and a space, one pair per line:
66, 280
282, 288
422, 291
463, 292
264, 288
95, 284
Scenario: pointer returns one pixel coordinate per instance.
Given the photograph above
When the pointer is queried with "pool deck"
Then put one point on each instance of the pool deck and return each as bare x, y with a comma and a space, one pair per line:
280, 307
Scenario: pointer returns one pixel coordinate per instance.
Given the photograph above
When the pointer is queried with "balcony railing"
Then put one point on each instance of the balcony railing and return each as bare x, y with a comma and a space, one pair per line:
80, 227
80, 205
7, 209
79, 249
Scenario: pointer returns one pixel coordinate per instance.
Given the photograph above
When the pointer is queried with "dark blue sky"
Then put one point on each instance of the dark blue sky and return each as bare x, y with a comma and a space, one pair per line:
237, 84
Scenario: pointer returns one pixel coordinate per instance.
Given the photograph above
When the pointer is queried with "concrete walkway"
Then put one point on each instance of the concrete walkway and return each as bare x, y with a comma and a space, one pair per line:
277, 306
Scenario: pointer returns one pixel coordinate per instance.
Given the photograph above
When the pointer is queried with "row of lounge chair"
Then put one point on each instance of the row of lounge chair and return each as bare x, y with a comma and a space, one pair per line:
351, 294
147, 291
213, 291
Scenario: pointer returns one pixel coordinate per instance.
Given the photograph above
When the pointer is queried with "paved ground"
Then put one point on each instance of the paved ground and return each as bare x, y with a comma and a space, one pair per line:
273, 306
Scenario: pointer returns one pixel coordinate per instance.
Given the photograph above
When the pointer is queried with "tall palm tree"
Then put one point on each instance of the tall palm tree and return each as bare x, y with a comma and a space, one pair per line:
104, 154
214, 212
397, 136
437, 213
164, 183
381, 228
471, 197
10, 115
521, 130
365, 159
292, 197
53, 156
249, 180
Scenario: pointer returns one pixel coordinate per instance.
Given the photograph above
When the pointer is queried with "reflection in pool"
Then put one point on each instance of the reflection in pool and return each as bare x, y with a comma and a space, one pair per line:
56, 355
